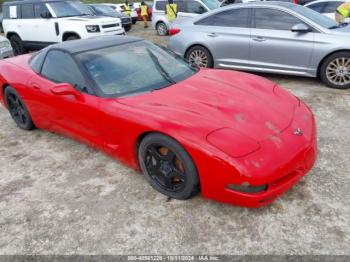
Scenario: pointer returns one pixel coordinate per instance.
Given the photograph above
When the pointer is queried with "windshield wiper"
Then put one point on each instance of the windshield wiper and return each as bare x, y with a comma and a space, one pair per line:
338, 26
159, 67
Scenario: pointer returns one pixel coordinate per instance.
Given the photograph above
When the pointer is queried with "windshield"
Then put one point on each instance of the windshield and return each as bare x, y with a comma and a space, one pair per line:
317, 18
104, 9
134, 68
211, 4
69, 8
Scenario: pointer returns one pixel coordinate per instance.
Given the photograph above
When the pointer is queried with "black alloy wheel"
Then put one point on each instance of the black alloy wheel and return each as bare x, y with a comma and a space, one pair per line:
18, 110
168, 167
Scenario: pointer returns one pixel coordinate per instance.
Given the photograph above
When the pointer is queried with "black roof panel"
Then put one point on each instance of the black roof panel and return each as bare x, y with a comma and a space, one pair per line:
77, 46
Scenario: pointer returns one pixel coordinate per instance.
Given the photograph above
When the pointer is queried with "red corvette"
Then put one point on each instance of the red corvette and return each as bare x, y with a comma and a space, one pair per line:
234, 137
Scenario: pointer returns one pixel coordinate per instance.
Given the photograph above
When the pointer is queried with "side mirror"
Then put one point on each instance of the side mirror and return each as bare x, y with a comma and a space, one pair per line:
300, 28
45, 15
65, 89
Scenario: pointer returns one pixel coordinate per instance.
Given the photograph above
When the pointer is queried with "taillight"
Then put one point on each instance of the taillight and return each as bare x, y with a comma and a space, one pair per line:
174, 31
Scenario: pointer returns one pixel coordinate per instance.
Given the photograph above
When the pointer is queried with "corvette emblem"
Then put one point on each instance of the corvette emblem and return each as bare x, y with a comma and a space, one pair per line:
298, 132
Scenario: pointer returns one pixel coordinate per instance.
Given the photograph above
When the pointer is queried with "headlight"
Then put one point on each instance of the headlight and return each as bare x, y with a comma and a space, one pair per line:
232, 142
93, 28
5, 44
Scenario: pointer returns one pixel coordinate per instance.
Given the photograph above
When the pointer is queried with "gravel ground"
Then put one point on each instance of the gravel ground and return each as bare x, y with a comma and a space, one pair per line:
61, 197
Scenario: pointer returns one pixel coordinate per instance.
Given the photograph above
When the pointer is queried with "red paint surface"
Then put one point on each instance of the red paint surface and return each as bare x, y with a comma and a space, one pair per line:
237, 127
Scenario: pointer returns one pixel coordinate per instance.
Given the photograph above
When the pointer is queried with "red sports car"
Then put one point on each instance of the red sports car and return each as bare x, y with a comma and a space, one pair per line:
234, 137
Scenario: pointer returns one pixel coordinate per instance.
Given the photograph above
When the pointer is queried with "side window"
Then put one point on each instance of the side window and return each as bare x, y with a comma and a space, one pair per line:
6, 14
331, 7
160, 5
195, 7
14, 12
274, 19
230, 18
27, 11
318, 7
181, 6
60, 67
40, 9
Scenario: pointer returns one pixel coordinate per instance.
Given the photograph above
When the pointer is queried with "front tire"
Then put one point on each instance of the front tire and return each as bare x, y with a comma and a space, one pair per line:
17, 45
168, 167
72, 37
335, 70
18, 109
199, 56
161, 28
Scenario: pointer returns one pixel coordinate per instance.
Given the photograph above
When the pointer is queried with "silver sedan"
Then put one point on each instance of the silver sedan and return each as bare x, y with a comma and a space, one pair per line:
272, 37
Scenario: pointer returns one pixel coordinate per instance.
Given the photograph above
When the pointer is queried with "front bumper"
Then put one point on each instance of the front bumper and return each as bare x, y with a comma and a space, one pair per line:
280, 163
6, 52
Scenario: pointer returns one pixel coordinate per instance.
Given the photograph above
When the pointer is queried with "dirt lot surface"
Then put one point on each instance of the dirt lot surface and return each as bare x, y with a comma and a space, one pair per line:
58, 196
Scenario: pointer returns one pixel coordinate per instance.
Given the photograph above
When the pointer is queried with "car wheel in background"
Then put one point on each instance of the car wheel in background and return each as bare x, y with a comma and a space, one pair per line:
199, 56
335, 70
18, 110
161, 28
127, 28
72, 37
17, 45
168, 167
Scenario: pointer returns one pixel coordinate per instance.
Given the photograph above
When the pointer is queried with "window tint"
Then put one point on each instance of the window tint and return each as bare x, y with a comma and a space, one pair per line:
5, 12
331, 7
160, 5
318, 7
195, 7
229, 18
27, 11
274, 19
40, 9
59, 67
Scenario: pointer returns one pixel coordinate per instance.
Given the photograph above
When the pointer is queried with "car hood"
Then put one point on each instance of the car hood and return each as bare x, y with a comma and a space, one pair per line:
214, 99
95, 19
341, 31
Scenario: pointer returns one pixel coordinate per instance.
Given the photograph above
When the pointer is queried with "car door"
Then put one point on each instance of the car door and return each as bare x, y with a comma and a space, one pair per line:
227, 35
27, 22
46, 29
73, 115
275, 48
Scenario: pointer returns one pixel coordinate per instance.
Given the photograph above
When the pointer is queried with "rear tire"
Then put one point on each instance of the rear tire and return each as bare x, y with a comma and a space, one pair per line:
335, 70
168, 168
161, 28
199, 56
17, 45
18, 109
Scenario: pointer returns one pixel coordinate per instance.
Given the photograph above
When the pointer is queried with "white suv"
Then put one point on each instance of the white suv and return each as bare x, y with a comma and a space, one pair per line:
34, 24
185, 8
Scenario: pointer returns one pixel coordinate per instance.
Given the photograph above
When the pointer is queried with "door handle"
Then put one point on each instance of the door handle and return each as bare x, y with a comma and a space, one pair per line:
212, 35
259, 39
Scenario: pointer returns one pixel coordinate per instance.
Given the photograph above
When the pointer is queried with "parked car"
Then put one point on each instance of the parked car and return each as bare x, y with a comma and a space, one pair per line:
278, 37
5, 48
104, 10
33, 24
119, 8
326, 7
137, 7
186, 129
186, 9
